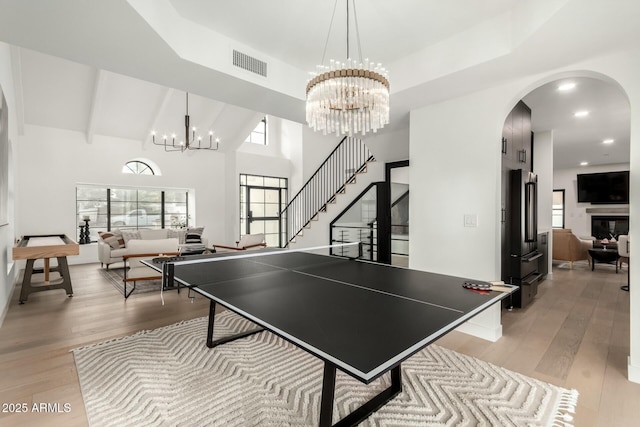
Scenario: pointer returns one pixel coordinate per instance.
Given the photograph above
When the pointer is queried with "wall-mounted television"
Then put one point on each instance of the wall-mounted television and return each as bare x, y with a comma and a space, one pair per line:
604, 188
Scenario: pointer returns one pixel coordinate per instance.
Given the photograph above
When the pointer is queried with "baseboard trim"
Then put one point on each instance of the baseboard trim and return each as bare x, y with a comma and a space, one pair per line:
486, 325
13, 279
492, 334
633, 372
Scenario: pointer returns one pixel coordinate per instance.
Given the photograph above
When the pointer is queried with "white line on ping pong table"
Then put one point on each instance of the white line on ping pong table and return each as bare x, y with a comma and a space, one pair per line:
362, 287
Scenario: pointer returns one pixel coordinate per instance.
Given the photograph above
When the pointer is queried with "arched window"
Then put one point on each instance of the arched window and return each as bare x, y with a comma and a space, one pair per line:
137, 167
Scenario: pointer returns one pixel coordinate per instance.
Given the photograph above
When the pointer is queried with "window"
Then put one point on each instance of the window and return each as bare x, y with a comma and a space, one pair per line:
261, 200
259, 134
557, 209
137, 167
130, 208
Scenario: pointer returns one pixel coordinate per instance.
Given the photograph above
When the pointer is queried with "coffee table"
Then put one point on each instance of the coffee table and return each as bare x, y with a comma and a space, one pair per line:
604, 256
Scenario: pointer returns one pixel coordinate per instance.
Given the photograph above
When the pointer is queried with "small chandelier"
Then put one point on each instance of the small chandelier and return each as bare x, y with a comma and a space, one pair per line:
348, 98
190, 141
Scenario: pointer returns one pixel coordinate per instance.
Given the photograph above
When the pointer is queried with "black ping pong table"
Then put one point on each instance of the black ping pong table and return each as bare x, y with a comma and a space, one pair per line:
360, 317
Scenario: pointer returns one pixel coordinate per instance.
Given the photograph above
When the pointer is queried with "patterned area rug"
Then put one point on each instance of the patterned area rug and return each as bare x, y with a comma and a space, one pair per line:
115, 276
169, 377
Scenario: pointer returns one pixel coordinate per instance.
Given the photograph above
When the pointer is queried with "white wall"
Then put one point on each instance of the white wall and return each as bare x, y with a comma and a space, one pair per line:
576, 217
455, 171
315, 149
284, 141
66, 159
455, 152
8, 271
291, 140
54, 161
543, 167
390, 146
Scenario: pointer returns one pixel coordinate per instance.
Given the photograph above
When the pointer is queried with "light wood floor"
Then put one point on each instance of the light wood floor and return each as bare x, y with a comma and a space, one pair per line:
576, 335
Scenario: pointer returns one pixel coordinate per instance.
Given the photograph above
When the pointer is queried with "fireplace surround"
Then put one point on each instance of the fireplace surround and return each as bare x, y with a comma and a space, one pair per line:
608, 226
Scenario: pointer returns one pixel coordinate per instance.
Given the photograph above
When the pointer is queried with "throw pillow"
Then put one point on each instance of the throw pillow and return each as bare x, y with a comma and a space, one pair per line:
113, 239
114, 242
194, 235
177, 234
130, 235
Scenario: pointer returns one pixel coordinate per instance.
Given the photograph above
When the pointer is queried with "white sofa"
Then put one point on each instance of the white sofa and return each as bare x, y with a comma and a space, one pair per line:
112, 248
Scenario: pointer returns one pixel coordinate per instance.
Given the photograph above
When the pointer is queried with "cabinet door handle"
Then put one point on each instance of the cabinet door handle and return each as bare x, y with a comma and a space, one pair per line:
504, 145
522, 154
504, 215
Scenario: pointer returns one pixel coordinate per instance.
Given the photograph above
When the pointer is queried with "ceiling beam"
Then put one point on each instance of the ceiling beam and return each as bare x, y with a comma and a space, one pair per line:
98, 92
155, 117
16, 70
250, 121
213, 118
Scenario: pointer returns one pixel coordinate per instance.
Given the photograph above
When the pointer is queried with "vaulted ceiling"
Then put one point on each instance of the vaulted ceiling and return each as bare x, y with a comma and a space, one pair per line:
121, 67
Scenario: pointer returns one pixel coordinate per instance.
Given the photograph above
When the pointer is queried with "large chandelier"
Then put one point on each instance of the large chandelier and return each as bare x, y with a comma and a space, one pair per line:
346, 98
191, 140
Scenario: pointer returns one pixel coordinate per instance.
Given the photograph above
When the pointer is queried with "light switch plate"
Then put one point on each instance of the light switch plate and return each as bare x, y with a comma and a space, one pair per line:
470, 220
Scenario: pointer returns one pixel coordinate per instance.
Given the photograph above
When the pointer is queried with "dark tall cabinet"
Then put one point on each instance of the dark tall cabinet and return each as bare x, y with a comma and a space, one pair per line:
519, 236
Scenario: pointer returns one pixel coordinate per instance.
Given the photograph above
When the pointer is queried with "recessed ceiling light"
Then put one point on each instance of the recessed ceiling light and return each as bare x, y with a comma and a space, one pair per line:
584, 163
583, 113
566, 86
608, 141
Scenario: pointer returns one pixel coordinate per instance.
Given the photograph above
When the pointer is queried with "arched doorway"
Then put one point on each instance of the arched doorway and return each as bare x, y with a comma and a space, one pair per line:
567, 126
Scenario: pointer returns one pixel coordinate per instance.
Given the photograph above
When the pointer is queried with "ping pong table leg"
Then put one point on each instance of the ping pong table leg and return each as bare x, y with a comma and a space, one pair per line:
212, 317
328, 393
213, 343
360, 414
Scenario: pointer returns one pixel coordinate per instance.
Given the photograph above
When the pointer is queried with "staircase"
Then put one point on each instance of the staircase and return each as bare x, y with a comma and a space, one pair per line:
340, 169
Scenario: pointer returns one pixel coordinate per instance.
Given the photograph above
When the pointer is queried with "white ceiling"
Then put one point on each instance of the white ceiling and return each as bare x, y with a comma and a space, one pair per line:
121, 58
580, 139
389, 30
67, 95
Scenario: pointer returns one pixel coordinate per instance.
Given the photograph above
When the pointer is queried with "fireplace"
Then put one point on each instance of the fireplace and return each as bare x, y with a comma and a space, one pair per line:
606, 227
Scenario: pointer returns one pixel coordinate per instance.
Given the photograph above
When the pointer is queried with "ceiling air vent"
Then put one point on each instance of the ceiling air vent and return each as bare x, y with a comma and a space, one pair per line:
249, 63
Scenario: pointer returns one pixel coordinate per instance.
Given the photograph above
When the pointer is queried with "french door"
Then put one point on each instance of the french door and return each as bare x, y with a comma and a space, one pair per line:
260, 208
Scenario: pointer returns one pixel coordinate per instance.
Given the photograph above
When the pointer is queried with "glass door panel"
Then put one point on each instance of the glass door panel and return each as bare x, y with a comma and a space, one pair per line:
263, 210
261, 200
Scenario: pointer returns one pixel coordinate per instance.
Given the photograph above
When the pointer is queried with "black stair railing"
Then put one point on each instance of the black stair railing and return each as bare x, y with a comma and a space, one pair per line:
340, 168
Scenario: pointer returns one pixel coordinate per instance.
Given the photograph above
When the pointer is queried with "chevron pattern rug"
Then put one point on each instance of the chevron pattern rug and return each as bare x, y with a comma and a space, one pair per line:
168, 377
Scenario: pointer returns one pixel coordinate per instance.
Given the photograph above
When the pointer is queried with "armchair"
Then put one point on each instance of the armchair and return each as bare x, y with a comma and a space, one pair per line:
246, 242
568, 247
